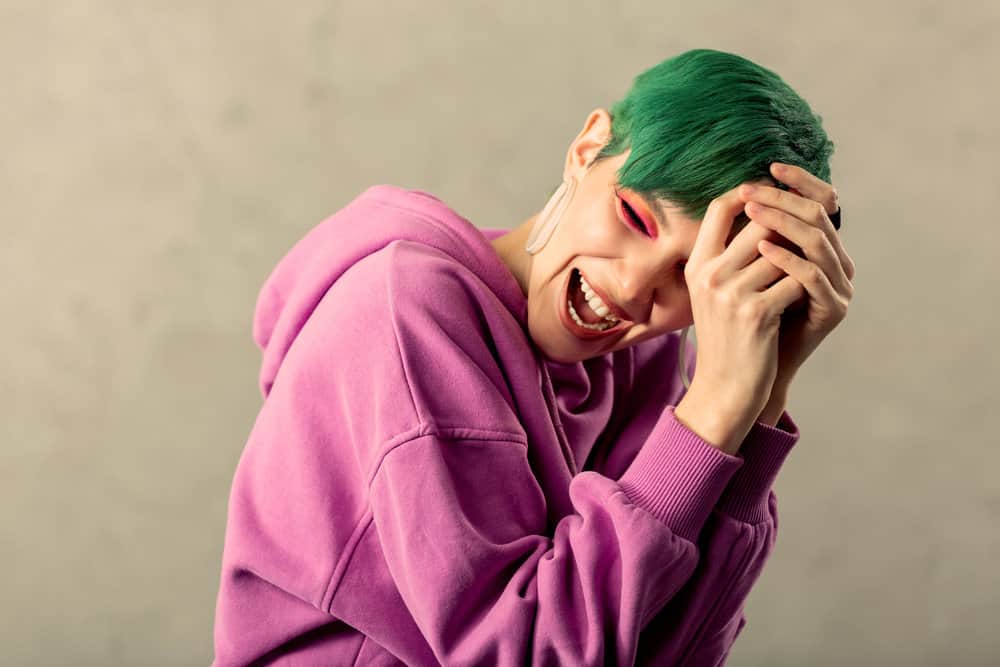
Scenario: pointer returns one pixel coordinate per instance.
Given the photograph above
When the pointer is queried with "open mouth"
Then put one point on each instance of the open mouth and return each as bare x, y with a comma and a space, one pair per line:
579, 317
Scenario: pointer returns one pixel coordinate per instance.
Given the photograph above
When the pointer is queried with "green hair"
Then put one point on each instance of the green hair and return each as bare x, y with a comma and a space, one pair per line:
700, 123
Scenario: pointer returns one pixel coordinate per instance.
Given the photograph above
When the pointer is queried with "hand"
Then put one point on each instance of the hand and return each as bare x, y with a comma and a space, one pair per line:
801, 215
737, 313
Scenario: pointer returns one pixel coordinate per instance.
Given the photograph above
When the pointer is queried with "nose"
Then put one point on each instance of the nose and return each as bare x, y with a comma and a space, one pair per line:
639, 279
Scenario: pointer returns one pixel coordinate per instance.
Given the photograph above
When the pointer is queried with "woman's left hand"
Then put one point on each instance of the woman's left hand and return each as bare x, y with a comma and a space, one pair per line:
801, 215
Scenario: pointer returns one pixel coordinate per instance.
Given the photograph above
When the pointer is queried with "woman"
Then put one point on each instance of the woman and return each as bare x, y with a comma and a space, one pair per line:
453, 466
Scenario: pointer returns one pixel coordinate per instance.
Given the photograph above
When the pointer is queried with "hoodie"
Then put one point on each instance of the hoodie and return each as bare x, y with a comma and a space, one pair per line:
421, 486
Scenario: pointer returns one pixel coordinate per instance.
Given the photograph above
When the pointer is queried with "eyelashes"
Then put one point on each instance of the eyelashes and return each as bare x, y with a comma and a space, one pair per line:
633, 218
635, 221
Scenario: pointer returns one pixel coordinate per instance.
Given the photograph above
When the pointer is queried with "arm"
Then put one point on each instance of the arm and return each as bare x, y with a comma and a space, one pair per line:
775, 408
700, 625
487, 581
577, 594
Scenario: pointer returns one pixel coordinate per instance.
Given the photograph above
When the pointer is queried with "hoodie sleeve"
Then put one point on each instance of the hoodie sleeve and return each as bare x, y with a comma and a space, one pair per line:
763, 452
701, 623
699, 626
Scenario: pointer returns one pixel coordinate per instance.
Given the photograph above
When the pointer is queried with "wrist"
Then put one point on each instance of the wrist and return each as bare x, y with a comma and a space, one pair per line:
770, 416
775, 407
718, 423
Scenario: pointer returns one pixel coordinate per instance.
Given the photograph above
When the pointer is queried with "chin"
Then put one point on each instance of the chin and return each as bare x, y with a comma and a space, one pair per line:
551, 345
554, 351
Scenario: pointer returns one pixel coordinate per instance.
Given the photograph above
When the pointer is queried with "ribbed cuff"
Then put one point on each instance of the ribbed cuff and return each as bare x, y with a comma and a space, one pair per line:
678, 476
763, 452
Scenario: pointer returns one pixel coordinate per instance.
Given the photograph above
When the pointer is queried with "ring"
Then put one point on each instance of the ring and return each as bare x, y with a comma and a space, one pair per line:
835, 218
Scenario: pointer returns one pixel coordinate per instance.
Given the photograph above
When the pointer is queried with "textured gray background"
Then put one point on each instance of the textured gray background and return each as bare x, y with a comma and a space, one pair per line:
159, 158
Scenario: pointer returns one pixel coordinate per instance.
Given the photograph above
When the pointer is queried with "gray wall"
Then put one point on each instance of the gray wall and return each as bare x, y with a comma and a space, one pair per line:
158, 158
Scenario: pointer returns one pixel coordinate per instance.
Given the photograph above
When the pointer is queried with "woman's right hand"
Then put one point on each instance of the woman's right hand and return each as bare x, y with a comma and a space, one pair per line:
737, 318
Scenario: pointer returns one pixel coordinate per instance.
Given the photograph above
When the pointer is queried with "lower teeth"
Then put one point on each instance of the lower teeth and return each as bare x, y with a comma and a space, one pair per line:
601, 326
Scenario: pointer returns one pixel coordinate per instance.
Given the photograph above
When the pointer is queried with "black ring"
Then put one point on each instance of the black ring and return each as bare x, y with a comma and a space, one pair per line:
835, 218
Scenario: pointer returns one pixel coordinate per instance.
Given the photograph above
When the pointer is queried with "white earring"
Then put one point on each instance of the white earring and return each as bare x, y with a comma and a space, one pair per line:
550, 216
682, 359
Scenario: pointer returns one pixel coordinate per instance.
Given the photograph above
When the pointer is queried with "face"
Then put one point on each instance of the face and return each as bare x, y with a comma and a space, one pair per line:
610, 236
629, 250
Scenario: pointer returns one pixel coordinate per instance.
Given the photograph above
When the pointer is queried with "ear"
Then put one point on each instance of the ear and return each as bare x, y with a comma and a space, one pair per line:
595, 134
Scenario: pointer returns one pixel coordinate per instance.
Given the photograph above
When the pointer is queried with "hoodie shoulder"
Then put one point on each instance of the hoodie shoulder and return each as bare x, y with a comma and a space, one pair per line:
380, 216
411, 315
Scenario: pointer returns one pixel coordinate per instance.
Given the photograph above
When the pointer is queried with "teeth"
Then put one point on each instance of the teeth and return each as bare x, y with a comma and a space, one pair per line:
601, 326
595, 302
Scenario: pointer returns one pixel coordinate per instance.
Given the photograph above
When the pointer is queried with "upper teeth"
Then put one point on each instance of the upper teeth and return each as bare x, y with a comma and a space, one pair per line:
595, 301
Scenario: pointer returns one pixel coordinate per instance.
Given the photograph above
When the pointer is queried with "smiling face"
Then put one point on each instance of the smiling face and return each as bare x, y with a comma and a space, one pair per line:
630, 251
612, 237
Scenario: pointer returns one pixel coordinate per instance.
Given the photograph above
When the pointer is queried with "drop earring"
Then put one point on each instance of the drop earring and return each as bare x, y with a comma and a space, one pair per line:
682, 368
550, 216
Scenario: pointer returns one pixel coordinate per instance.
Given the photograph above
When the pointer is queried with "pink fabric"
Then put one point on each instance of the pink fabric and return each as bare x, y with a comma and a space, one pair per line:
421, 487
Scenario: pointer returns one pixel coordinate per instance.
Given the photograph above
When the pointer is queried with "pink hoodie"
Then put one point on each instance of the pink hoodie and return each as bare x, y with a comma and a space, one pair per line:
422, 487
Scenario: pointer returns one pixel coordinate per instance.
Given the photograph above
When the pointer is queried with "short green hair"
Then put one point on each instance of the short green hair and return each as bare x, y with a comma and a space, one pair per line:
702, 122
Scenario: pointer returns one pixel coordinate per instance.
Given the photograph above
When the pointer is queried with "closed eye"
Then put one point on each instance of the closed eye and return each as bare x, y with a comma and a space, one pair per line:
634, 219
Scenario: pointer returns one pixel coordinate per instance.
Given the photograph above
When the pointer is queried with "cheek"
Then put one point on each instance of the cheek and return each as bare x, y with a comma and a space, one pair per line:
594, 234
673, 309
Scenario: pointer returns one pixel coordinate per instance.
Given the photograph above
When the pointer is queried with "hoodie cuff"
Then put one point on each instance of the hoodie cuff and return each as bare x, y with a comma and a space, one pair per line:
678, 476
763, 452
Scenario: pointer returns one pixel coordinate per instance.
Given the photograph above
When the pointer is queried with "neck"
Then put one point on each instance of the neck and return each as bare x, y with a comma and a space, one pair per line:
510, 247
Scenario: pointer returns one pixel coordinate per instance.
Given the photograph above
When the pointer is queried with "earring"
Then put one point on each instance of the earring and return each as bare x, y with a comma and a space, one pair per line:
682, 359
550, 216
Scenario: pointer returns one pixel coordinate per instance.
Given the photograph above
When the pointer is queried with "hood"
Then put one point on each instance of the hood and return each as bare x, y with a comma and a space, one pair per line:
378, 216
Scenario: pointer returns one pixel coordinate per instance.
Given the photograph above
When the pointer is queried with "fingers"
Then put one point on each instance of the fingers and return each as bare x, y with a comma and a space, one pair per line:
813, 279
808, 185
812, 240
716, 225
806, 211
759, 275
799, 206
784, 293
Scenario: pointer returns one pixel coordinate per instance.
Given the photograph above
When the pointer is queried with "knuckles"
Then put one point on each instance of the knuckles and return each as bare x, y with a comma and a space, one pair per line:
819, 212
751, 310
817, 237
